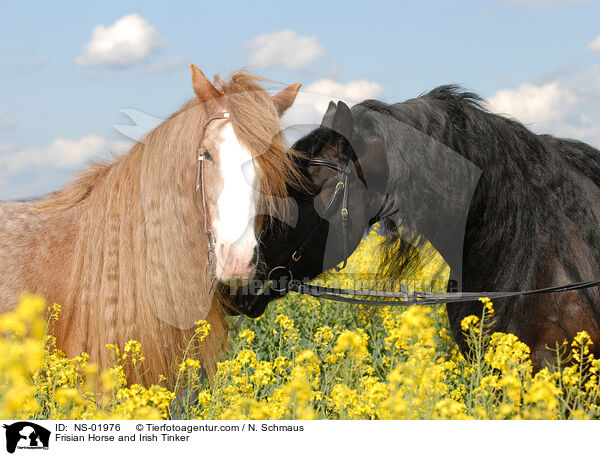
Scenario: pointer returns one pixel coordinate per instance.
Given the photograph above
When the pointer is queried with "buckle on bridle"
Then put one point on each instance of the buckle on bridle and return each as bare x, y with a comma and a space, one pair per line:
210, 238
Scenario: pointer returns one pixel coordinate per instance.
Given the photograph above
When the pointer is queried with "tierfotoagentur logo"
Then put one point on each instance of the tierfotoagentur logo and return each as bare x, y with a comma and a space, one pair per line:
26, 436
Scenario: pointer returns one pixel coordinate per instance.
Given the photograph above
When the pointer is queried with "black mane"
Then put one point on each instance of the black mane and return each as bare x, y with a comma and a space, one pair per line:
528, 207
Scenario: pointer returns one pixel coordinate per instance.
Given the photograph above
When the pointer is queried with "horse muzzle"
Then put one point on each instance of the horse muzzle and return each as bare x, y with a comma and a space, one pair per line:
235, 263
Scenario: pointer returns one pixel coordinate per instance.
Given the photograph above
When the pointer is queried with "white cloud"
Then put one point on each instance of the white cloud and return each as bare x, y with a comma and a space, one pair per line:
566, 107
595, 45
535, 104
35, 171
126, 42
284, 49
312, 101
353, 91
163, 67
60, 154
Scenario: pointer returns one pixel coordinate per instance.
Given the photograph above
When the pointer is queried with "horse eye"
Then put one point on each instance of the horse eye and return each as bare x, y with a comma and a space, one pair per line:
206, 154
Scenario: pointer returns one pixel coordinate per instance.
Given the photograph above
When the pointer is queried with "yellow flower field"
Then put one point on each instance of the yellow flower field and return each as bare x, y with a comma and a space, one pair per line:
306, 359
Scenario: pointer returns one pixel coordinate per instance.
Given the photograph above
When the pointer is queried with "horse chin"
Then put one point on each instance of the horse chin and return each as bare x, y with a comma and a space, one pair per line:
236, 280
257, 310
250, 306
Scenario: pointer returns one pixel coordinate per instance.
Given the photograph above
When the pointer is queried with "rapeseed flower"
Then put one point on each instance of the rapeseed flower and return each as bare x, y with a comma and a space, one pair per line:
307, 358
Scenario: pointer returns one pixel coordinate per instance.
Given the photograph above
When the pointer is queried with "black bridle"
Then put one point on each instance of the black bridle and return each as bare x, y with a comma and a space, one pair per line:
341, 188
391, 298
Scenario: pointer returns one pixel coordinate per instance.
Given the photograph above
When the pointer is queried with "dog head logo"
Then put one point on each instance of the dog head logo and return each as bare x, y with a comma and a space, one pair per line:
24, 434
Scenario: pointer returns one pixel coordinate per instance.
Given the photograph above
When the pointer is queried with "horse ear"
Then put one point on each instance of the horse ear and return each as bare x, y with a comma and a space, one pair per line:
327, 121
202, 86
343, 123
284, 99
373, 162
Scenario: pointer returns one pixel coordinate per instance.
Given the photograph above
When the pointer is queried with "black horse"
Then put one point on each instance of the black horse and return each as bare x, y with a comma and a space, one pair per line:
507, 209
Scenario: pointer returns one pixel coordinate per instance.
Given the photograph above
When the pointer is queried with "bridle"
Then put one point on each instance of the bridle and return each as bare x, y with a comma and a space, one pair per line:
341, 190
210, 238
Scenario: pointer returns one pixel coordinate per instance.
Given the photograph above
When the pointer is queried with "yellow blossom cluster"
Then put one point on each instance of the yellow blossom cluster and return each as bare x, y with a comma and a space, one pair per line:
307, 359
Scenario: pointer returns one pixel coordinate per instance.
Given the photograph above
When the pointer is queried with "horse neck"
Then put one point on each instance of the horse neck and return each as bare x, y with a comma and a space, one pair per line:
430, 189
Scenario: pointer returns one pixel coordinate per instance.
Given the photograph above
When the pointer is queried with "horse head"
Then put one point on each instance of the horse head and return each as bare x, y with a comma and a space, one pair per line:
347, 174
231, 174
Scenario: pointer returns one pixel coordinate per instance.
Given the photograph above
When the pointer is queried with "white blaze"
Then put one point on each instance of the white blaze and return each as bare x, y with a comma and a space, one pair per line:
236, 203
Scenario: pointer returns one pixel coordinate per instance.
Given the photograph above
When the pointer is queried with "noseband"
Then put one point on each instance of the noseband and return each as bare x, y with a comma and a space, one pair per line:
200, 187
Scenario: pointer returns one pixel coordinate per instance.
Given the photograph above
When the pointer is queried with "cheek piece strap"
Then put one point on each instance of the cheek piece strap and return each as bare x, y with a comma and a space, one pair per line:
201, 188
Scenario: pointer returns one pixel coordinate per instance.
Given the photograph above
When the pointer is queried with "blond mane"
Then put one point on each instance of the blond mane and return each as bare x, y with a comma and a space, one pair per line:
138, 260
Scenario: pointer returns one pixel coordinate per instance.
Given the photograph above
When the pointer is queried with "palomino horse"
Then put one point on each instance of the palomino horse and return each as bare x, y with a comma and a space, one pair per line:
124, 247
507, 209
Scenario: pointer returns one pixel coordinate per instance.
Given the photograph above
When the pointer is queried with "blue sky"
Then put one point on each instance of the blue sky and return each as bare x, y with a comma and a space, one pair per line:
62, 88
